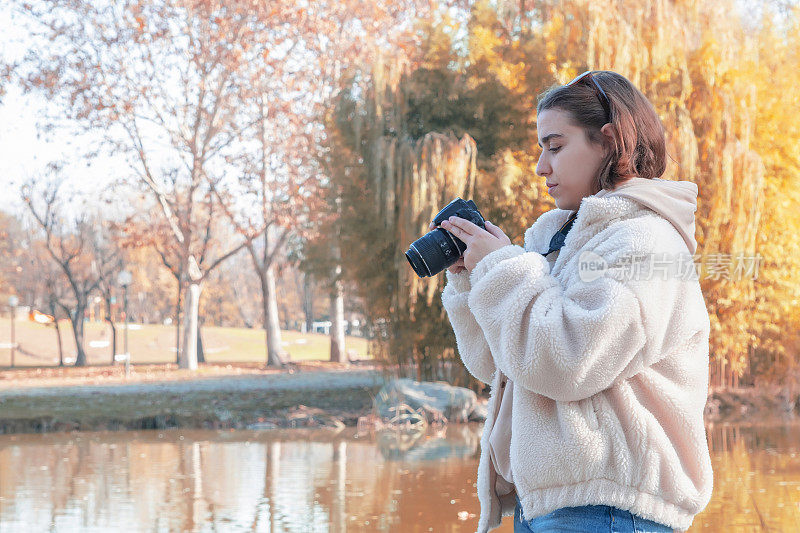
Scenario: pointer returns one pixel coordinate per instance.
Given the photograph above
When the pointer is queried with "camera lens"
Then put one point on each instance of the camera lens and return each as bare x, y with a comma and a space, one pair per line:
434, 251
417, 262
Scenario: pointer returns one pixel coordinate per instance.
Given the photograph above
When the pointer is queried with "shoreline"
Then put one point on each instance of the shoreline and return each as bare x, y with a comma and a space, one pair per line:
202, 409
741, 405
221, 397
315, 395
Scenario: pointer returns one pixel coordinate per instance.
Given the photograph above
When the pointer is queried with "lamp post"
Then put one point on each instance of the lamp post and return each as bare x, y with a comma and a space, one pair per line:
13, 301
124, 279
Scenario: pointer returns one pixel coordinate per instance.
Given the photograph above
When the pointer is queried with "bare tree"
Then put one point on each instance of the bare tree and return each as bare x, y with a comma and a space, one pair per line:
69, 242
31, 272
107, 248
209, 250
172, 74
202, 79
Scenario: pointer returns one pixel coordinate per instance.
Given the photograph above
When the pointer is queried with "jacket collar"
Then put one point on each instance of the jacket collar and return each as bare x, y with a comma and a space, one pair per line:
594, 210
602, 209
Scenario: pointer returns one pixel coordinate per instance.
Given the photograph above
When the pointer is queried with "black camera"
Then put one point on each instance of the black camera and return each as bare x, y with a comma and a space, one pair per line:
438, 249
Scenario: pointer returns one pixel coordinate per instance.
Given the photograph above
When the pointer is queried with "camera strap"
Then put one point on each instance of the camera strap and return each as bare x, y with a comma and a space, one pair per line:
561, 235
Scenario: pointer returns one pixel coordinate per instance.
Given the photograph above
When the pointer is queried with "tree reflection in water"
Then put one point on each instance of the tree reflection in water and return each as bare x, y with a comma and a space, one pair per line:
321, 480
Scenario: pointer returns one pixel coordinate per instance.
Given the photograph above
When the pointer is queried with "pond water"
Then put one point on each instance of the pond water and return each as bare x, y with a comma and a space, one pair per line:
312, 480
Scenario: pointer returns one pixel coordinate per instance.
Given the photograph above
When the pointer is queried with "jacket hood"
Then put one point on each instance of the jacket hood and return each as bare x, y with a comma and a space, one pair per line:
676, 201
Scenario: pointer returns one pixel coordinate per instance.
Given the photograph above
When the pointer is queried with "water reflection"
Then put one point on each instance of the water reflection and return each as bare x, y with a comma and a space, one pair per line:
756, 478
292, 480
306, 480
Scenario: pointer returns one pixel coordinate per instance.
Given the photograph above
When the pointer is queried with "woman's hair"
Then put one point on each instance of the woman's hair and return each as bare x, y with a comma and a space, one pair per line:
639, 143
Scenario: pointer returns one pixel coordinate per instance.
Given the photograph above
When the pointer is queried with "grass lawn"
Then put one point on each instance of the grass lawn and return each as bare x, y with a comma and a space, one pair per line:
152, 343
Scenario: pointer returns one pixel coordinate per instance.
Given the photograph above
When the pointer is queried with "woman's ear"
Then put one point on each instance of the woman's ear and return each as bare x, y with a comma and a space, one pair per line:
609, 137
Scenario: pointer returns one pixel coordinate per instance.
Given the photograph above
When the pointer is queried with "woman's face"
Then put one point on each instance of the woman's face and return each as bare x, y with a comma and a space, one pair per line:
569, 162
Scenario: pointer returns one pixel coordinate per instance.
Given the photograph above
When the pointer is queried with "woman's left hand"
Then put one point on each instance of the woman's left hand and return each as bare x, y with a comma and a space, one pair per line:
480, 242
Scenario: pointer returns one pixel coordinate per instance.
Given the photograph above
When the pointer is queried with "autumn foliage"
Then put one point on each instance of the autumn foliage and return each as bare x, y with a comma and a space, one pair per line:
710, 75
343, 128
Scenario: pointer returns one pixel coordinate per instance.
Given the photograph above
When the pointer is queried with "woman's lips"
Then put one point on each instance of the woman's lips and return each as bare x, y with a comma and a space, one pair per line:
550, 189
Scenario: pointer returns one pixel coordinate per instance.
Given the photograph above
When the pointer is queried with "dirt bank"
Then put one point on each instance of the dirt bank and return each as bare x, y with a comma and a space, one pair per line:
159, 398
746, 404
240, 396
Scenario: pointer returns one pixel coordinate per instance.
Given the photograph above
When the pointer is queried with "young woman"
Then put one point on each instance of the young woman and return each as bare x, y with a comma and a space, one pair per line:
594, 334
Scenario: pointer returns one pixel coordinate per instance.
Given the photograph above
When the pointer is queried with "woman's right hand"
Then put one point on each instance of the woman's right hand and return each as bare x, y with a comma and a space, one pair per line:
458, 266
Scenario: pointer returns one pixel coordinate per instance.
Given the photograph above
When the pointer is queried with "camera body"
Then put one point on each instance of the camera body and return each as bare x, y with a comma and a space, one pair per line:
438, 249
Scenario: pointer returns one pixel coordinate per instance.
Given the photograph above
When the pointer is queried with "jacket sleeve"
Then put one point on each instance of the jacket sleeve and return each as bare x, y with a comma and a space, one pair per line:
569, 343
472, 346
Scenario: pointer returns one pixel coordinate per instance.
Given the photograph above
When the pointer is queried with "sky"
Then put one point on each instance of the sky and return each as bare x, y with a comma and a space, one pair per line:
24, 152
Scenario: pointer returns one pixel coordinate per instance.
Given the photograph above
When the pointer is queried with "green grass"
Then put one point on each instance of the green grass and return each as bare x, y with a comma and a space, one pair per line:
154, 343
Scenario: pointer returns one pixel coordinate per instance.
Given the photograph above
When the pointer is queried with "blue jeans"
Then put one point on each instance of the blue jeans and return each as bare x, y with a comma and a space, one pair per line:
586, 519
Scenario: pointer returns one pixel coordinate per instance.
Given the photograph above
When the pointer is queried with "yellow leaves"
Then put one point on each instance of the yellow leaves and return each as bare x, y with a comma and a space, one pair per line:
483, 42
725, 99
512, 75
556, 24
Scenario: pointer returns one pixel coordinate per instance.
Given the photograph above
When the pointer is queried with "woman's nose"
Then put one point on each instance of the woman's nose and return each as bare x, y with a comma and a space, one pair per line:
542, 168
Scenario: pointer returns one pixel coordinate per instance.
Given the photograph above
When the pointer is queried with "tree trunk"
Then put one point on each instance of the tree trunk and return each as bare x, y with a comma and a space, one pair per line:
201, 355
178, 323
308, 301
271, 324
76, 320
188, 357
58, 333
113, 338
60, 344
338, 354
110, 320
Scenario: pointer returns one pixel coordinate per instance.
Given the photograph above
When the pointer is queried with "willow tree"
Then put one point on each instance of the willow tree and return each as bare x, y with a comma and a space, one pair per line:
773, 48
707, 72
389, 201
410, 136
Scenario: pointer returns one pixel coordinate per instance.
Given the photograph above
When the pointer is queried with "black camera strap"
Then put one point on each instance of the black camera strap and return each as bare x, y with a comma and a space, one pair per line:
561, 235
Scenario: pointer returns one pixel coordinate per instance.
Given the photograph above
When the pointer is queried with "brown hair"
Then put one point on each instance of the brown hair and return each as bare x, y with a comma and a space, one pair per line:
639, 142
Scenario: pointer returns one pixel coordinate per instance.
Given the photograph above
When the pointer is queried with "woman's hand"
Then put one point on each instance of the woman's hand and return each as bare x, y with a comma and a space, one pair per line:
458, 266
480, 242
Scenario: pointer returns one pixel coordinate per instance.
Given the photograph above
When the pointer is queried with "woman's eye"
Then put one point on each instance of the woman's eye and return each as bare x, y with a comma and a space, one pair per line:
555, 149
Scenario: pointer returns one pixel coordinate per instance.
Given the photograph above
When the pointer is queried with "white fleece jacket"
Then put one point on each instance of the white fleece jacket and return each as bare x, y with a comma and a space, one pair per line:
610, 371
